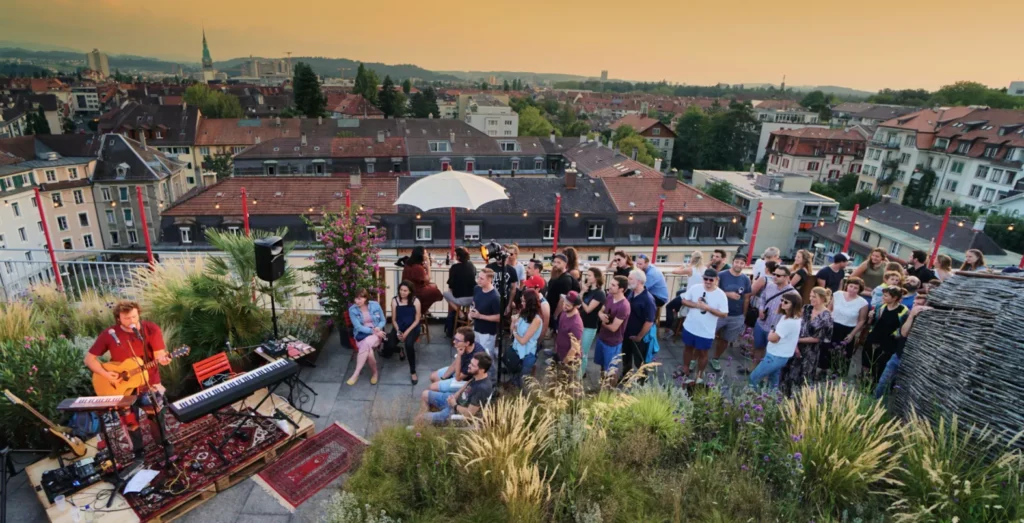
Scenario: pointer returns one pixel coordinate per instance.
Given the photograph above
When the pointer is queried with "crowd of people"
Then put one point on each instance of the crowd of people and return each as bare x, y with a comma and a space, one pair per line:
805, 324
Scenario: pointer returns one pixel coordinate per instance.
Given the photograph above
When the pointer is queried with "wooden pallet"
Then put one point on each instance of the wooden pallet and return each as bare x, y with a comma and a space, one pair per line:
186, 505
253, 465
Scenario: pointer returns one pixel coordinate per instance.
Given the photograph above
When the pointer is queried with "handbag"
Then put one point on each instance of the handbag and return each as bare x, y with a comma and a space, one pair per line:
753, 313
511, 361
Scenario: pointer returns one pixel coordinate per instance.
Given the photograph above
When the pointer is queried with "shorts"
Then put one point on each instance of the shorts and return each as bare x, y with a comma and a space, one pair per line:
690, 340
730, 328
760, 337
449, 385
439, 400
486, 342
607, 356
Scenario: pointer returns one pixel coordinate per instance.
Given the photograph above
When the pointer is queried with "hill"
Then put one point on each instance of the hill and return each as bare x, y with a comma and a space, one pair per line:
333, 67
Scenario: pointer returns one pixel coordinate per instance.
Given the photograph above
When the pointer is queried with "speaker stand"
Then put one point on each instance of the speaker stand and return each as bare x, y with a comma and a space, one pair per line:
273, 309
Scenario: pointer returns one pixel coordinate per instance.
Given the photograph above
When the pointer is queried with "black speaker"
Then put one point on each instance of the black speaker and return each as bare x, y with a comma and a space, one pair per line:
269, 258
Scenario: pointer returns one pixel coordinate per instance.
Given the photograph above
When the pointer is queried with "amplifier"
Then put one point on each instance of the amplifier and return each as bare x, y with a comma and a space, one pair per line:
73, 477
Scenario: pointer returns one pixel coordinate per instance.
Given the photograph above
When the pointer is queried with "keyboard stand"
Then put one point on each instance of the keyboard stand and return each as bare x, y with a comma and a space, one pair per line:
278, 415
296, 381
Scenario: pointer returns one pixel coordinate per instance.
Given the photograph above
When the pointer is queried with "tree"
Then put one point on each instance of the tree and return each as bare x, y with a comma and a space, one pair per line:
623, 132
731, 138
366, 83
220, 164
919, 190
819, 102
532, 123
309, 99
407, 86
505, 86
912, 97
386, 100
37, 123
691, 132
401, 105
974, 93
645, 152
424, 104
720, 190
213, 103
845, 192
68, 125
483, 86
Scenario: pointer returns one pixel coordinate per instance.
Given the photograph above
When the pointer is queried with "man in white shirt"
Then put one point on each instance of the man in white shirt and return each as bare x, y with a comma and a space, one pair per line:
709, 303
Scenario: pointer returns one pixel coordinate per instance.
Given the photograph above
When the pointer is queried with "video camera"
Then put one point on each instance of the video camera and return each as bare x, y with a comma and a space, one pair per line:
494, 251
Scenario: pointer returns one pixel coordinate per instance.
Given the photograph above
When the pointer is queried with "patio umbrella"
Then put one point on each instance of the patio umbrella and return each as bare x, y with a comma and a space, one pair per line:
451, 189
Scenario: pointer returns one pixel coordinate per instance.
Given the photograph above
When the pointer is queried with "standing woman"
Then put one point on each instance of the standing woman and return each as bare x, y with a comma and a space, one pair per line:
801, 271
572, 264
974, 260
368, 327
871, 271
815, 338
884, 337
943, 267
621, 264
417, 271
406, 322
527, 331
849, 316
782, 341
593, 301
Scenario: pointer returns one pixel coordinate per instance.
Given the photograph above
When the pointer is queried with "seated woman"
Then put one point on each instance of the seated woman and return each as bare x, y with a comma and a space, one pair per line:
406, 322
417, 271
368, 329
461, 281
526, 333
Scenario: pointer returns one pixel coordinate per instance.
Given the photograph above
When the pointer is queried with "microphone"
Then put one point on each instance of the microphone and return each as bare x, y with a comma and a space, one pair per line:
138, 334
114, 335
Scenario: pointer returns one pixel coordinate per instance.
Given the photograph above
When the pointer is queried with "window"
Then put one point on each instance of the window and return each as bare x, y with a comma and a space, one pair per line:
894, 192
548, 232
186, 234
9, 267
656, 131
124, 193
67, 244
515, 165
595, 231
508, 132
656, 142
72, 173
16, 208
110, 217
133, 237
956, 167
963, 147
1008, 177
508, 146
105, 194
694, 231
440, 147
128, 217
997, 174
951, 185
982, 172
593, 258
318, 168
894, 248
844, 227
942, 162
79, 197
28, 256
87, 240
191, 180
424, 233
51, 175
990, 152
22, 235
115, 239
876, 154
975, 191
989, 195
234, 150
508, 122
865, 236
371, 167
58, 202
471, 233
661, 258
720, 232
813, 166
785, 163
62, 223
83, 219
271, 170
909, 141
538, 165
205, 151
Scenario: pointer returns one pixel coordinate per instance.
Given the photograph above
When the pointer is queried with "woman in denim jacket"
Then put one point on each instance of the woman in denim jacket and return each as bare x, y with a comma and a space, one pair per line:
368, 328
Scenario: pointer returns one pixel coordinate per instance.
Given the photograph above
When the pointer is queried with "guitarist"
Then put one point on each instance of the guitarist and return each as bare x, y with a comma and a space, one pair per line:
123, 344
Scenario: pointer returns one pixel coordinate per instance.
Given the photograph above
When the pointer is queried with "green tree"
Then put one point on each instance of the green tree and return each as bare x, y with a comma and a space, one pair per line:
37, 123
912, 97
505, 86
220, 164
309, 99
533, 123
720, 190
623, 132
213, 103
366, 83
919, 190
401, 105
386, 100
731, 138
407, 86
424, 103
691, 132
997, 227
645, 152
974, 93
484, 86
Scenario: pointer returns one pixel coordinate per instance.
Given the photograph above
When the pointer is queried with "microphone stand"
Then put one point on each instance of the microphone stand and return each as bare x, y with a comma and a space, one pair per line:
165, 442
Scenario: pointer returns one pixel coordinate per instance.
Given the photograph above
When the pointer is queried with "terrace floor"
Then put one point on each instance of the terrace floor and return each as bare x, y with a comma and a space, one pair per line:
364, 408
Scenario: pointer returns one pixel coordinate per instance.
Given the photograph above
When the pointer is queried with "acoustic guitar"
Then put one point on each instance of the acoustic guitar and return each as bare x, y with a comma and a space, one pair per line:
130, 372
64, 433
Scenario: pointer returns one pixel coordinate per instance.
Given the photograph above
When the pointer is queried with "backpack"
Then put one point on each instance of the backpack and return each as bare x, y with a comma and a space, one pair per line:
511, 361
84, 424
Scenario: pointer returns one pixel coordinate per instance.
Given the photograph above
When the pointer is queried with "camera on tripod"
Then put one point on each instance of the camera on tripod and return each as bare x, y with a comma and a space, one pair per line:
494, 251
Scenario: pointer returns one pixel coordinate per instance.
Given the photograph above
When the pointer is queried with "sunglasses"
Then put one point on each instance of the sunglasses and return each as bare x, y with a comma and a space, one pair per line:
709, 279
781, 275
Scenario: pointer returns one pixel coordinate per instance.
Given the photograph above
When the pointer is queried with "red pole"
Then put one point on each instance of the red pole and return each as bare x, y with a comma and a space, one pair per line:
245, 211
49, 243
145, 227
1021, 266
558, 218
849, 233
657, 228
451, 243
938, 240
753, 235
348, 201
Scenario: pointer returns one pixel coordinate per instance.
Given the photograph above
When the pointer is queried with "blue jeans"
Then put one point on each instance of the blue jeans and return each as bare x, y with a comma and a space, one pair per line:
528, 362
439, 400
760, 336
888, 375
771, 368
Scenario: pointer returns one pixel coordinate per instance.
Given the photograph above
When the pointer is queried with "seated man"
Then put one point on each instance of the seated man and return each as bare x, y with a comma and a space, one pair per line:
451, 378
467, 401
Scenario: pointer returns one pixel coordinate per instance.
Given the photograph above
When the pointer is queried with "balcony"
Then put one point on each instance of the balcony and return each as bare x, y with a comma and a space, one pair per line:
886, 144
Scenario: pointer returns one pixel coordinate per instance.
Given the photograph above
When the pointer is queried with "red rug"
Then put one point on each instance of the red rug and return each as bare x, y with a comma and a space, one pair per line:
311, 465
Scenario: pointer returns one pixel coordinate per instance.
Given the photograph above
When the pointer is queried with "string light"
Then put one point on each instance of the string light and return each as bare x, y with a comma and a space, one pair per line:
310, 209
917, 226
680, 217
525, 214
1009, 227
216, 206
960, 223
773, 216
630, 216
821, 223
418, 216
735, 219
255, 201
113, 204
867, 220
576, 214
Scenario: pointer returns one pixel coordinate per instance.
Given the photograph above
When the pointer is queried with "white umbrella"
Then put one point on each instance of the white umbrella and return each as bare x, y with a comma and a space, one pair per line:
451, 189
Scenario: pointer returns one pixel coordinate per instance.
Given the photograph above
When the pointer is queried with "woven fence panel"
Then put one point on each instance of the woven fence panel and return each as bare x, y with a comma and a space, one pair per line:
966, 356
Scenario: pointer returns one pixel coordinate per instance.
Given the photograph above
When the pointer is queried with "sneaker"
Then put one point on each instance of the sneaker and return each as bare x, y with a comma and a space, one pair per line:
715, 364
693, 364
700, 381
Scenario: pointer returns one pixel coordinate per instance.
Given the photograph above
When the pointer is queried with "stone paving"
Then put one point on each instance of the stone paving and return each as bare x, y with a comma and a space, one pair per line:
364, 408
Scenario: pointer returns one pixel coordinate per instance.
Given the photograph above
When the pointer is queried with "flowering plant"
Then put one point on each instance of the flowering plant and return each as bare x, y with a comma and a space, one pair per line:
348, 261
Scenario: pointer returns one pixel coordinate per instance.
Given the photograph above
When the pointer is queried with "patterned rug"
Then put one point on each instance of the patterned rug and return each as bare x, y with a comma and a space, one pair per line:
311, 465
192, 443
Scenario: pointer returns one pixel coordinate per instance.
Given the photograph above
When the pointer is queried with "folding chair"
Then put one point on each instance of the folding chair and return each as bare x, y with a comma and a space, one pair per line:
212, 366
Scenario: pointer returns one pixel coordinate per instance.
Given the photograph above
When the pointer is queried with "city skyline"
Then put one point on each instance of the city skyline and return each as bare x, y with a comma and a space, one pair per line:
702, 43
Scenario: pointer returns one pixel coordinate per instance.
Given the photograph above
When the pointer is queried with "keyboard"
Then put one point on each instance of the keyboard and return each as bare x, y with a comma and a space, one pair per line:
237, 388
92, 403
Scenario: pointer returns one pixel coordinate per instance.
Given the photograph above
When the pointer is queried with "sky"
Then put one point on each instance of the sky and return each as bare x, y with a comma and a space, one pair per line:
868, 44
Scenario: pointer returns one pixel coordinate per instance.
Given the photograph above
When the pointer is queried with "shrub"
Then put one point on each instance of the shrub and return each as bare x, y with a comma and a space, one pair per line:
302, 325
17, 321
56, 314
93, 313
718, 490
343, 507
845, 449
348, 262
947, 474
658, 409
41, 371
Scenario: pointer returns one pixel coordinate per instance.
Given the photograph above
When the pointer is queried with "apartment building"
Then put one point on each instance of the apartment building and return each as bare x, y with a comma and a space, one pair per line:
491, 116
231, 136
783, 111
823, 154
653, 130
171, 129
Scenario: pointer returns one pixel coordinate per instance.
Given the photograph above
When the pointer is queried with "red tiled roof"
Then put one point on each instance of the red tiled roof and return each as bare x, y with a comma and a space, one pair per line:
17, 150
985, 127
779, 105
240, 131
351, 105
298, 195
822, 133
646, 192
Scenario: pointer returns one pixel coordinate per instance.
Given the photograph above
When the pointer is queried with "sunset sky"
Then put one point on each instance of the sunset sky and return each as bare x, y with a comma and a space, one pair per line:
868, 44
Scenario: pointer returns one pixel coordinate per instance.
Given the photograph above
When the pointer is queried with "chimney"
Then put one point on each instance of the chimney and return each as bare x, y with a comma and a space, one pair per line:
277, 121
257, 140
979, 224
451, 138
611, 145
319, 120
142, 140
380, 137
388, 133
583, 139
633, 156
355, 180
303, 139
570, 178
669, 183
657, 164
552, 136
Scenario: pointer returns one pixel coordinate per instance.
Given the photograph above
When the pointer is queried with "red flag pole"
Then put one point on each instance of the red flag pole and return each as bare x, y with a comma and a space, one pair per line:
938, 240
849, 233
753, 235
1021, 266
657, 228
558, 218
451, 243
145, 227
348, 202
245, 211
49, 243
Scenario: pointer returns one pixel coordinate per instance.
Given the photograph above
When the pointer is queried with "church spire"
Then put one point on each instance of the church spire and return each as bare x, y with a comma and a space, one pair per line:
207, 61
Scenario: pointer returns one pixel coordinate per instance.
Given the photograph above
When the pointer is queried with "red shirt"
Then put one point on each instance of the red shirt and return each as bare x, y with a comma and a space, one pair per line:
128, 346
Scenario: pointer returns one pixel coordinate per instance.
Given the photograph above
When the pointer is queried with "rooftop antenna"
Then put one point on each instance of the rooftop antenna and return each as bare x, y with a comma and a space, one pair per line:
783, 84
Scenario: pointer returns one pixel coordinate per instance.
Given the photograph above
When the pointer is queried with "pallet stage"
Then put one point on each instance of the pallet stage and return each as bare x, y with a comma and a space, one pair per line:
121, 511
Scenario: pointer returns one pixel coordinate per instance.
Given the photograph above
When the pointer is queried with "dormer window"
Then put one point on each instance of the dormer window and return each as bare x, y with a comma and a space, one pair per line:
963, 147
158, 135
440, 146
122, 171
656, 131
509, 146
990, 151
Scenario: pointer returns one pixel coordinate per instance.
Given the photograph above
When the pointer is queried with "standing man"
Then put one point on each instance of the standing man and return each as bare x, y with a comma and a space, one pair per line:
560, 284
641, 318
612, 328
770, 254
510, 281
655, 280
534, 280
768, 310
919, 268
486, 313
831, 276
709, 303
737, 287
718, 258
569, 322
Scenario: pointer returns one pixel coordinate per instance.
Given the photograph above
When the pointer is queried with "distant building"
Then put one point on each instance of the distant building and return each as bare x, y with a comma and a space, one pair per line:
491, 116
349, 105
170, 129
825, 154
783, 111
1016, 88
604, 76
85, 99
208, 73
653, 130
98, 62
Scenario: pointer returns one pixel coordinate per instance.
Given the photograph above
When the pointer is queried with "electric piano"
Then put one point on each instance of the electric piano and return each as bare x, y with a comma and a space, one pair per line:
96, 403
235, 389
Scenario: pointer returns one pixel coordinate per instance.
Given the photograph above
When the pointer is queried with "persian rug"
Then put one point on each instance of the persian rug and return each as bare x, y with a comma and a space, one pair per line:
311, 465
